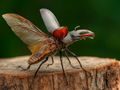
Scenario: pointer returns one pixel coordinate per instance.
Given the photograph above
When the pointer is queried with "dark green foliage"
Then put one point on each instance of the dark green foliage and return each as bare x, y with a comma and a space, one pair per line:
100, 16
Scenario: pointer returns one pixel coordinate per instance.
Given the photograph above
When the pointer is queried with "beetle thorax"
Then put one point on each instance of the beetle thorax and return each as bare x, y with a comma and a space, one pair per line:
60, 33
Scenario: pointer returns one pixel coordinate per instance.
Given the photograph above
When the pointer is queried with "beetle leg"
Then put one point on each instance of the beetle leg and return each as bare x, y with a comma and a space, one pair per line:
69, 60
40, 66
31, 84
51, 63
24, 69
60, 52
74, 55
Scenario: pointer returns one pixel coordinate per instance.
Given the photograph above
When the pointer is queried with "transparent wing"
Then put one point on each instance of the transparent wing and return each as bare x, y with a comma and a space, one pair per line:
49, 19
24, 29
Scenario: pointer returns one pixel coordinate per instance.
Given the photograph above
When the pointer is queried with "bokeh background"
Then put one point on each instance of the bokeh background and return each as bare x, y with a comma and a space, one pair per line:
100, 16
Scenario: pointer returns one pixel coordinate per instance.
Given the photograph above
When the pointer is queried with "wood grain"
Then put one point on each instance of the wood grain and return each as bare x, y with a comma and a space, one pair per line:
102, 74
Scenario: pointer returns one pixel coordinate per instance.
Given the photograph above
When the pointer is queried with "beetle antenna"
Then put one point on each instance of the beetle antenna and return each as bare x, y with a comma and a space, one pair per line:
76, 28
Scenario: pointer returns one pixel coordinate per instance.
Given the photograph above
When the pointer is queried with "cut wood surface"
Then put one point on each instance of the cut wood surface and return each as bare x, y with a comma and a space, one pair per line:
102, 74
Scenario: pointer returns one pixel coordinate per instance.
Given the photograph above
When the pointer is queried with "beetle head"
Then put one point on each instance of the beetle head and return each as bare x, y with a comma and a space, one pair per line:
82, 34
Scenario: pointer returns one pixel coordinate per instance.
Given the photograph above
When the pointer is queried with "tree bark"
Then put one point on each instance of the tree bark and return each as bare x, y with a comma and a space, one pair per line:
100, 74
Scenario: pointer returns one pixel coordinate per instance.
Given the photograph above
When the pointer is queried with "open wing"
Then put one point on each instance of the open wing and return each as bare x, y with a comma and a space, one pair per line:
50, 20
24, 29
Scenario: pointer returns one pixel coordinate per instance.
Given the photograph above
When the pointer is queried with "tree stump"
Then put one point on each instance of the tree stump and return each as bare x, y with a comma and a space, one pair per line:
101, 74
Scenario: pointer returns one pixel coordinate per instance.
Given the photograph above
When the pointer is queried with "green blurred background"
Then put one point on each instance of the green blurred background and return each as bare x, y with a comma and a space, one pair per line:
100, 16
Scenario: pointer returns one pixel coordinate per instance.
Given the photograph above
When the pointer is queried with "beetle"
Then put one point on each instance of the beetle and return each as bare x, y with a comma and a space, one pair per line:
40, 44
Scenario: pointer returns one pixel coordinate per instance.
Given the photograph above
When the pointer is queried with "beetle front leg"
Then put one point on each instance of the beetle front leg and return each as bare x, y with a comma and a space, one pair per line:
69, 60
74, 55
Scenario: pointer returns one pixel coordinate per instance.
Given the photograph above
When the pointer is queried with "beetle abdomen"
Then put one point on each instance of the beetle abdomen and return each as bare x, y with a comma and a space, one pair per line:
42, 50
